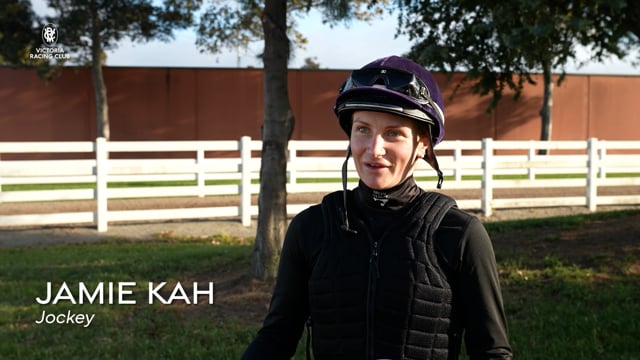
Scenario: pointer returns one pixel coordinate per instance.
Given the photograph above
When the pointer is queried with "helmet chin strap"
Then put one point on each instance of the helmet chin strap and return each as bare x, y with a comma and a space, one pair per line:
345, 216
430, 157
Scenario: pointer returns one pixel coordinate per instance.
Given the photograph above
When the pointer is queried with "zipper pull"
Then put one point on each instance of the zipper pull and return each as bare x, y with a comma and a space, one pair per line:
374, 258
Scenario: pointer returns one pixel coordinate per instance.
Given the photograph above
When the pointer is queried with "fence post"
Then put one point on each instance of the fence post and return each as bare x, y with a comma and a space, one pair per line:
200, 170
487, 176
531, 157
245, 180
102, 170
290, 162
602, 154
457, 157
592, 174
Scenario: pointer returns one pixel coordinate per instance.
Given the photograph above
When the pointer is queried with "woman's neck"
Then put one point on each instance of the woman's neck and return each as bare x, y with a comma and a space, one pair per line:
394, 198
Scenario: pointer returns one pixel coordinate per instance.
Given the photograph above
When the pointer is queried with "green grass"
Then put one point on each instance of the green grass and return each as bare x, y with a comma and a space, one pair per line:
558, 307
578, 300
562, 312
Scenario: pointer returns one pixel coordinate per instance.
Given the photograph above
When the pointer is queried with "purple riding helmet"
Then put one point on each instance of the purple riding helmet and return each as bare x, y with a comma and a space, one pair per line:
395, 85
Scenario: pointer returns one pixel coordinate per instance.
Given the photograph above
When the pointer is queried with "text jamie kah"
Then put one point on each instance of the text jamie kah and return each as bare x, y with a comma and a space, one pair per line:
122, 293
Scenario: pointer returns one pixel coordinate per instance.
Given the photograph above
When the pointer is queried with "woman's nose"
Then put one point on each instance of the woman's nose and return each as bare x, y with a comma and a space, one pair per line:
377, 146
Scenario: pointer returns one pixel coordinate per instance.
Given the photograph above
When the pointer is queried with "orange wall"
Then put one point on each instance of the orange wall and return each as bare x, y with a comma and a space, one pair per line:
225, 104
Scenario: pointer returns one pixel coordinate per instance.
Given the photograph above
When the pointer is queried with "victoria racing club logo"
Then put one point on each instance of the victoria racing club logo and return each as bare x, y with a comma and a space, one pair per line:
49, 49
50, 35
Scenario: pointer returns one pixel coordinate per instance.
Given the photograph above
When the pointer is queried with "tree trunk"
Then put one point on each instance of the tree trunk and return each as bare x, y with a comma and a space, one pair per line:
276, 131
547, 104
100, 89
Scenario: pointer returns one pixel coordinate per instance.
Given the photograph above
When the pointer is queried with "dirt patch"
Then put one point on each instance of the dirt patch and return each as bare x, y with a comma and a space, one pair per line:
243, 300
292, 198
239, 299
146, 230
613, 242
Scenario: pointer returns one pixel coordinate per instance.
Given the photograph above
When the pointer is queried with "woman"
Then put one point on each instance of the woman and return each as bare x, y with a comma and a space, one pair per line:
387, 270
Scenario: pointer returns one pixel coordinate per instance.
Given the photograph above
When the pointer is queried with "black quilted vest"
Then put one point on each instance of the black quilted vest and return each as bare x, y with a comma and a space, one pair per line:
381, 299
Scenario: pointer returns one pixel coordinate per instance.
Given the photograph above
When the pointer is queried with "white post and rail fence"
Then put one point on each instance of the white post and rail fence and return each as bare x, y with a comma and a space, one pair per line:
105, 170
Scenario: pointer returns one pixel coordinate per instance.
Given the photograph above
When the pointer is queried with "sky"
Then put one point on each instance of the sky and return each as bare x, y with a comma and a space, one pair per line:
341, 47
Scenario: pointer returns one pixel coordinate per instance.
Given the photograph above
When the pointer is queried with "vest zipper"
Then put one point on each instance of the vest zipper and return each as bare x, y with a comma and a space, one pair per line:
374, 275
373, 260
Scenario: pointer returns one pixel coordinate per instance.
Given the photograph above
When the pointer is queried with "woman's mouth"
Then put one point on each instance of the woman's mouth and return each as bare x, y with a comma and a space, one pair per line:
376, 166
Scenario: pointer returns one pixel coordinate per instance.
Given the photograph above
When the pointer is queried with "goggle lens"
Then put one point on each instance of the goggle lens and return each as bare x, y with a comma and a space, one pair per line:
397, 80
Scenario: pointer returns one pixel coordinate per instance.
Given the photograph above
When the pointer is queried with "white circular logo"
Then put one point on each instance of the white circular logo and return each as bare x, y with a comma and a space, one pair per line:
50, 35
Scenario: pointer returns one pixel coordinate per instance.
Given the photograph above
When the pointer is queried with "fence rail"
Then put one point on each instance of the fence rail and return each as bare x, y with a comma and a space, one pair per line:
210, 168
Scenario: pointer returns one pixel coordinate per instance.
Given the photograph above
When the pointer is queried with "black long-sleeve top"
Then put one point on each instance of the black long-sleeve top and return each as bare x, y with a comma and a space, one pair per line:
462, 246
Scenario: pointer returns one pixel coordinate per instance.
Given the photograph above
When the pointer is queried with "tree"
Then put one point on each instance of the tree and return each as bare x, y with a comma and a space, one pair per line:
20, 34
311, 63
90, 27
501, 44
18, 31
236, 24
277, 114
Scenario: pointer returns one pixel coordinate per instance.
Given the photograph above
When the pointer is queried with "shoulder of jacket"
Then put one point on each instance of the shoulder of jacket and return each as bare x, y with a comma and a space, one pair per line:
335, 196
457, 218
315, 211
313, 217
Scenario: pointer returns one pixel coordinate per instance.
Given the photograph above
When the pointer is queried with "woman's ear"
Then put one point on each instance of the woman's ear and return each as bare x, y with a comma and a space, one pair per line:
423, 146
428, 152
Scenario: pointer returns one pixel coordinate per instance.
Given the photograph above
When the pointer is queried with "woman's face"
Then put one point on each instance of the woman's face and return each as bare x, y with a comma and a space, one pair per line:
385, 148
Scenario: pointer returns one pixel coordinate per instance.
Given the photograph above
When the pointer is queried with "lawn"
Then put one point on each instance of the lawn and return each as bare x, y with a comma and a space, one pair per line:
571, 287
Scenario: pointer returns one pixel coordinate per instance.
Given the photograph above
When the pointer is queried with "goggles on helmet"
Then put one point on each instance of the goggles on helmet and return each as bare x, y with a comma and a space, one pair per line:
396, 80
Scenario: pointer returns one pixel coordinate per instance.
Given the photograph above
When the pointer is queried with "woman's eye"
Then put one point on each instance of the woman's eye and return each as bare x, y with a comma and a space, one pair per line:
394, 133
362, 129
